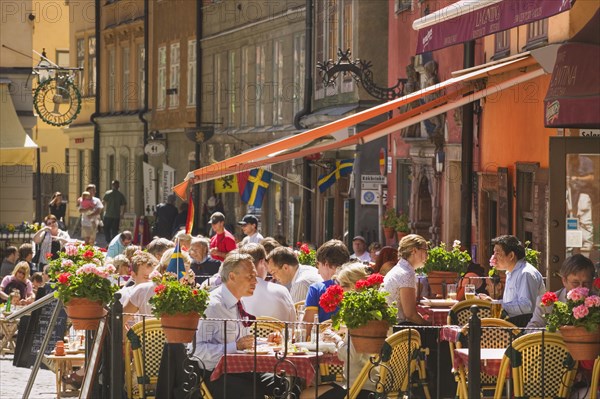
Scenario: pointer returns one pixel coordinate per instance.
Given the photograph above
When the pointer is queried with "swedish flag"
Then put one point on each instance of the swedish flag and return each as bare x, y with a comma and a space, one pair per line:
176, 263
342, 168
258, 182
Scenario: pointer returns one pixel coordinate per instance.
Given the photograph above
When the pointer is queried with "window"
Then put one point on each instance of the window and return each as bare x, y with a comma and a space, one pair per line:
537, 33
231, 88
161, 95
80, 45
217, 96
402, 5
501, 44
525, 208
191, 72
260, 85
127, 94
141, 75
174, 76
299, 70
91, 66
246, 89
111, 80
277, 82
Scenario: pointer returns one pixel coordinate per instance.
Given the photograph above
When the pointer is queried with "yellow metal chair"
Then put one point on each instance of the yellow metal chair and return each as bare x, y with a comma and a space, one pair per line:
490, 338
460, 313
400, 357
540, 364
595, 379
146, 339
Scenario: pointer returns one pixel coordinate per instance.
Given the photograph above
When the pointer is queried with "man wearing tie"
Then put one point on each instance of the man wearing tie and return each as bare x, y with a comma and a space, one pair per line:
212, 340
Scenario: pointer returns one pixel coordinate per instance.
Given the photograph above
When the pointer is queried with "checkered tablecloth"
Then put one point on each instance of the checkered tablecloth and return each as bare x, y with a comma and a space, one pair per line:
450, 333
303, 366
490, 359
438, 315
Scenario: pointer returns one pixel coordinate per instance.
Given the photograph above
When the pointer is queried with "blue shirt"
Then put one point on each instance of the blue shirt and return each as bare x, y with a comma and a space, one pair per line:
115, 247
312, 299
523, 286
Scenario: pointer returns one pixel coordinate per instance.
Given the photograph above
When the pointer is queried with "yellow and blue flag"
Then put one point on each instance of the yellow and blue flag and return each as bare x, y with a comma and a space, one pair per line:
256, 187
176, 263
342, 168
226, 184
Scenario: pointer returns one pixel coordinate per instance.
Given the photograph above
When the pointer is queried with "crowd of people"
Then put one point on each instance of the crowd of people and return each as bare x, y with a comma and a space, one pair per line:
259, 276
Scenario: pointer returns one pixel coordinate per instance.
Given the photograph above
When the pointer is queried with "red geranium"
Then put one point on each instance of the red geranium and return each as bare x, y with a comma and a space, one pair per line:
194, 292
371, 281
63, 278
159, 288
305, 248
332, 298
597, 283
89, 254
549, 298
49, 255
102, 249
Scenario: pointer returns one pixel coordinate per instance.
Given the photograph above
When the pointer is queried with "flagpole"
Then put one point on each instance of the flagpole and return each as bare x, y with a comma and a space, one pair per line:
293, 182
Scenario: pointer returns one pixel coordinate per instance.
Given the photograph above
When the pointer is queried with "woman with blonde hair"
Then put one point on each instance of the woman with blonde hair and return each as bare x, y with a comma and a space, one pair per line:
402, 283
18, 280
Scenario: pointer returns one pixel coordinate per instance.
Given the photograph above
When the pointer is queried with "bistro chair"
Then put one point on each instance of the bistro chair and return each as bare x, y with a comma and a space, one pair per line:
266, 325
495, 338
595, 379
146, 339
541, 367
460, 313
400, 357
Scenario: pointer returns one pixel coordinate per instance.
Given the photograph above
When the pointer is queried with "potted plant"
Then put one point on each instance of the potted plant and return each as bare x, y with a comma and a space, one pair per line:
83, 284
178, 304
402, 225
445, 265
389, 222
364, 311
578, 321
306, 254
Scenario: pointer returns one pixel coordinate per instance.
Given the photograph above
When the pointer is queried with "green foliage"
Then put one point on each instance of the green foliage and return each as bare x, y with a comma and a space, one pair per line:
402, 223
24, 227
79, 273
441, 259
172, 296
306, 254
580, 310
531, 255
390, 219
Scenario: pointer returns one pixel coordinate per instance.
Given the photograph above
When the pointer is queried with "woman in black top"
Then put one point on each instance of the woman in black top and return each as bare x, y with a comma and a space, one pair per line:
58, 208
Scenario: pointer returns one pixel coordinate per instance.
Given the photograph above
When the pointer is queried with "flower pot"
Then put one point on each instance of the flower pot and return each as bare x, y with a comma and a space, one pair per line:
85, 314
389, 232
582, 344
436, 278
370, 337
180, 328
400, 235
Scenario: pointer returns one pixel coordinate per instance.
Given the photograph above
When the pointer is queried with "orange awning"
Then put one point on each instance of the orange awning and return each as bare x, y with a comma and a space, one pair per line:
453, 97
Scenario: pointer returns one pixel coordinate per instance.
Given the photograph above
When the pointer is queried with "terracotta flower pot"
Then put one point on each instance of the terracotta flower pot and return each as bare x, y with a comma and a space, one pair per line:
436, 278
370, 337
85, 314
582, 344
180, 328
400, 235
389, 232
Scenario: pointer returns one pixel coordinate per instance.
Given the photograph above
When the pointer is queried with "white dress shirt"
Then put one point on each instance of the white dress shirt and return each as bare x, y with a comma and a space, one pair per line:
523, 285
255, 238
304, 277
210, 336
270, 299
365, 257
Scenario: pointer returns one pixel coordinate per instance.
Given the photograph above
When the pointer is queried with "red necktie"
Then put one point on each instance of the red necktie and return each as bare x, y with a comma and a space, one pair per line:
245, 315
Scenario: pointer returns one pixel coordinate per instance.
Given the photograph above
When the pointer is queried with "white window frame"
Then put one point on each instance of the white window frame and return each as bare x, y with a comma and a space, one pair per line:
191, 72
299, 70
232, 89
260, 85
161, 86
91, 52
112, 79
141, 74
125, 77
174, 71
277, 82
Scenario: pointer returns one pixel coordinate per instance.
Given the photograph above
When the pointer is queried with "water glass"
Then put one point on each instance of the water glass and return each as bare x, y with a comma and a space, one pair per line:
470, 291
451, 291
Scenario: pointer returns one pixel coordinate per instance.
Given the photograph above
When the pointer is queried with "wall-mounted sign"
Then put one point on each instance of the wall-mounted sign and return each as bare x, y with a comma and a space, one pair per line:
154, 148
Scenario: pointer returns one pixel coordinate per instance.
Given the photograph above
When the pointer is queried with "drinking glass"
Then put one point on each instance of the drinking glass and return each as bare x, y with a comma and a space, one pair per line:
451, 291
469, 291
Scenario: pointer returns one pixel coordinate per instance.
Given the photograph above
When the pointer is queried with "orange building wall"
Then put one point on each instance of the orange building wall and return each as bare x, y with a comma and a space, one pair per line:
513, 127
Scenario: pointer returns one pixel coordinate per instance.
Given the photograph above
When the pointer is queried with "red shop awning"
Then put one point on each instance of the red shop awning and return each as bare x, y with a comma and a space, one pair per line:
471, 19
573, 98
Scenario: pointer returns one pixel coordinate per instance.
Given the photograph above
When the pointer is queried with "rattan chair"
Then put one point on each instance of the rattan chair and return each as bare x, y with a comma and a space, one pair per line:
400, 357
541, 367
460, 313
146, 340
595, 379
266, 325
490, 338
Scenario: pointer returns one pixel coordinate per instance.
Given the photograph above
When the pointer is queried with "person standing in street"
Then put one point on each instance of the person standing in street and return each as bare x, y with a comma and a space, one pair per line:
249, 225
114, 208
58, 208
90, 217
223, 241
165, 217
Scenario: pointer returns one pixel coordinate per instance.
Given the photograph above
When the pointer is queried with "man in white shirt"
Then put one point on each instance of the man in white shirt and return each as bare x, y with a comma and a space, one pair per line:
284, 267
213, 339
359, 245
249, 224
269, 299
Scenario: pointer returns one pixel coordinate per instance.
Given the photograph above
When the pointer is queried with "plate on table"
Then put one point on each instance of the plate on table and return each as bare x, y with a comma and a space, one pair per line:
260, 350
439, 303
305, 353
327, 347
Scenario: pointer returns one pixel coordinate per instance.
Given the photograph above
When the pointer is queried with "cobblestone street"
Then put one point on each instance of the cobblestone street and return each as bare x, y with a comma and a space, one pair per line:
13, 381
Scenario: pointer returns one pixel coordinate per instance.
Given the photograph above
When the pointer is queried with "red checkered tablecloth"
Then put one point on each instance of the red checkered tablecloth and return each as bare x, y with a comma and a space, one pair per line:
490, 359
438, 315
302, 366
450, 333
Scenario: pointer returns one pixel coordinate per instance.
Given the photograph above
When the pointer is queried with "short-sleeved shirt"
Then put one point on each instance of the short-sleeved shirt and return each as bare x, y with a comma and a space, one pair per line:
140, 297
312, 299
113, 199
224, 242
401, 276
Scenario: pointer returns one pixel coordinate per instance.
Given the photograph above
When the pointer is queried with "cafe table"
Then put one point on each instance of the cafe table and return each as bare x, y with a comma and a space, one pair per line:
64, 365
491, 358
303, 366
9, 330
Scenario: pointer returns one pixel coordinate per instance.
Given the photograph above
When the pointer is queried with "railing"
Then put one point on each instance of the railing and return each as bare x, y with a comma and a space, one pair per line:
288, 378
